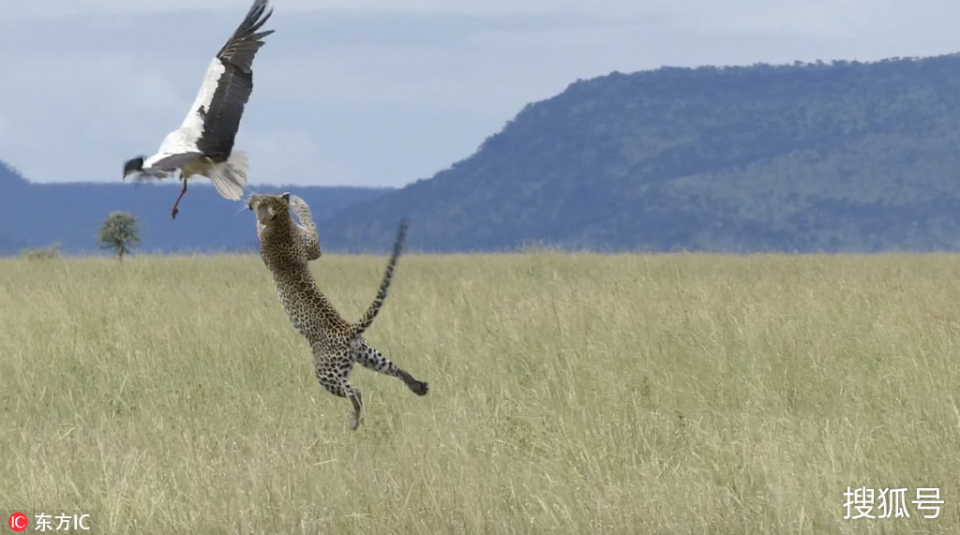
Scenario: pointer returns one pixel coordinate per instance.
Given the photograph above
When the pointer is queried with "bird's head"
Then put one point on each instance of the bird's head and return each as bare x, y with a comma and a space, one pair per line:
133, 166
268, 207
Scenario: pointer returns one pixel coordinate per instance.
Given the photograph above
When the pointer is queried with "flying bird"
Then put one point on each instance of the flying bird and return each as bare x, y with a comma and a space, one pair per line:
203, 145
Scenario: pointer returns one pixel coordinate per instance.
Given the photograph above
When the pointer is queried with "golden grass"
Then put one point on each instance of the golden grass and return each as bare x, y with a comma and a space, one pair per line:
569, 394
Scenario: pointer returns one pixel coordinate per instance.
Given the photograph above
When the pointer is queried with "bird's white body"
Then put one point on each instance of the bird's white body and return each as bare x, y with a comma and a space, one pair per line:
203, 144
179, 148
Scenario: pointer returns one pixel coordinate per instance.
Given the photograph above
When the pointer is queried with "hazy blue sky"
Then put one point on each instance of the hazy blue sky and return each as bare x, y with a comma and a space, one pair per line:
378, 92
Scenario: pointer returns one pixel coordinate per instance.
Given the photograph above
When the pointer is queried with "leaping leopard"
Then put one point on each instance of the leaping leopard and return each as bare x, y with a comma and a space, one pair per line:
286, 248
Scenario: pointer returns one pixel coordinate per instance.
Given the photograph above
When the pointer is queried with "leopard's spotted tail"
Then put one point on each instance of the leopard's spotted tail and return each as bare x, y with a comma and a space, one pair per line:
368, 318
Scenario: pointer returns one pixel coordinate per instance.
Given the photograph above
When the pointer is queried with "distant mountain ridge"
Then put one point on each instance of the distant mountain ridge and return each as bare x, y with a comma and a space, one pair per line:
838, 157
845, 156
38, 215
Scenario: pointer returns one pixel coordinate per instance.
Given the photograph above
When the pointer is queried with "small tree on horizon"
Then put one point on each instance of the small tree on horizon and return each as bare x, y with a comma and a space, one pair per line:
119, 232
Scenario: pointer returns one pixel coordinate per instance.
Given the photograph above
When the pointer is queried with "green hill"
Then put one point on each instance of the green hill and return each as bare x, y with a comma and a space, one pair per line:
807, 157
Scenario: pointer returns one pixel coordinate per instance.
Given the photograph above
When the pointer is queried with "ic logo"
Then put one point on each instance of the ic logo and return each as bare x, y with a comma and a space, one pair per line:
18, 522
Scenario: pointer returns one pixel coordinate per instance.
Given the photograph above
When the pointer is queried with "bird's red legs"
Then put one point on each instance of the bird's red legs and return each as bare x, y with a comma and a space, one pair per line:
184, 190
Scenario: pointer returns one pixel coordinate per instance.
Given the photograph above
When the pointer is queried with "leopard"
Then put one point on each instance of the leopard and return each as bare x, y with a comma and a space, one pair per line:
286, 249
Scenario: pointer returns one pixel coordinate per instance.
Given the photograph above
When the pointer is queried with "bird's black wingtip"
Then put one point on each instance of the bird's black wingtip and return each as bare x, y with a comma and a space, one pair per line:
257, 16
258, 13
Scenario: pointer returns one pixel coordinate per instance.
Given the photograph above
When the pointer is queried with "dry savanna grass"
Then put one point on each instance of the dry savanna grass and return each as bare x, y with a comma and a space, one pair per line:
569, 394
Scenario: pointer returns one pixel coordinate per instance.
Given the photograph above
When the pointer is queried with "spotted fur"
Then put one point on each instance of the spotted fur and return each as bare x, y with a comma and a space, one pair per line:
286, 248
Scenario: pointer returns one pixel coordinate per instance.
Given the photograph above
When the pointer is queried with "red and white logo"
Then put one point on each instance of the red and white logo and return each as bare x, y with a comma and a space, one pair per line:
18, 521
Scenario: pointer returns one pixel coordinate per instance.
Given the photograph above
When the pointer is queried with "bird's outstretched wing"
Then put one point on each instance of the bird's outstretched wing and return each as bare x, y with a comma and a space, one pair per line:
216, 113
243, 45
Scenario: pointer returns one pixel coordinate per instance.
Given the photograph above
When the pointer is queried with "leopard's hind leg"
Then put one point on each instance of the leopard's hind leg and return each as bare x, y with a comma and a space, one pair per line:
370, 358
335, 378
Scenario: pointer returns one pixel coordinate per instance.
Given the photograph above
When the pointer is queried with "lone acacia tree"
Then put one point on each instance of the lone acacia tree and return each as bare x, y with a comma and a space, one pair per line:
119, 232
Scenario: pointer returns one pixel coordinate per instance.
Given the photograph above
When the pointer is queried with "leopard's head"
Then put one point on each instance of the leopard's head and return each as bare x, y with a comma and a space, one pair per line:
269, 208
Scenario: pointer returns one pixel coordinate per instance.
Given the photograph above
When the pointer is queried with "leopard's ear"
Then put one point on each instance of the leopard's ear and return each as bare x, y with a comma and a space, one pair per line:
286, 196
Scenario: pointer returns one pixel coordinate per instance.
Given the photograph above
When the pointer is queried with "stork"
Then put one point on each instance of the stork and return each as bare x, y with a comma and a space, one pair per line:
203, 145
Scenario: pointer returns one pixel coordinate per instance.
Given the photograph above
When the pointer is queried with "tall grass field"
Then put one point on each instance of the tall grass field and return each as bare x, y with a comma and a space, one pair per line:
570, 393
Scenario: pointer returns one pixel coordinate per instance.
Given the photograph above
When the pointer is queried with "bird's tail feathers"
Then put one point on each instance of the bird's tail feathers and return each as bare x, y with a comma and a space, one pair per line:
230, 177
